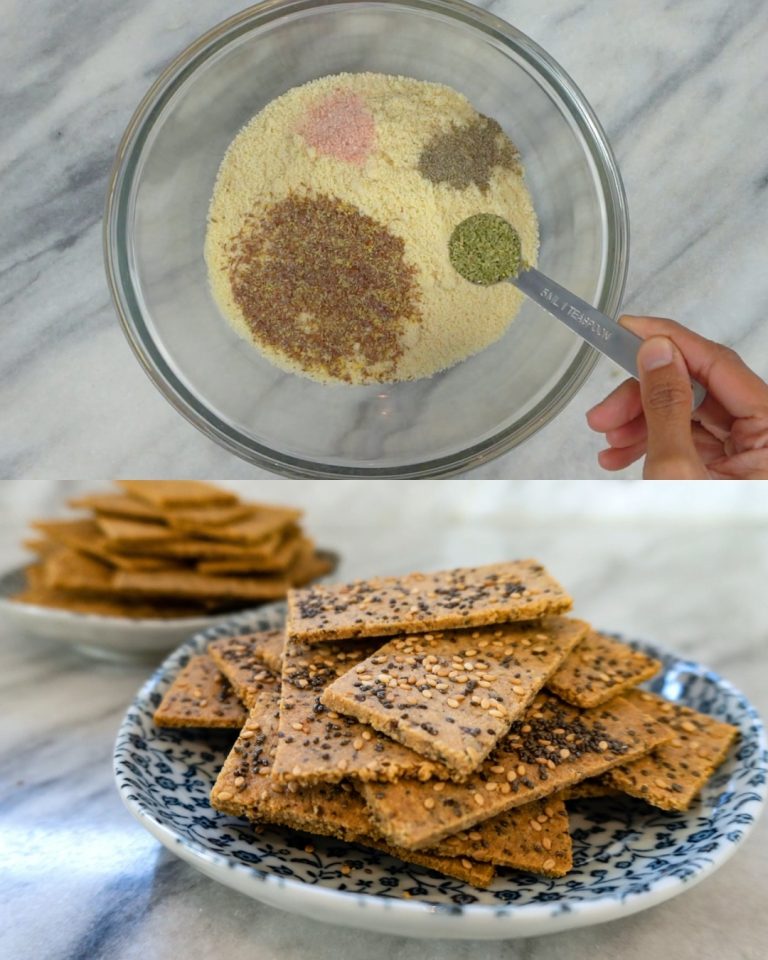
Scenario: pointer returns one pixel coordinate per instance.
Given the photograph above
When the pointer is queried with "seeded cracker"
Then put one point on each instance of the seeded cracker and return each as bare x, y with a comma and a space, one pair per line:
200, 697
320, 745
672, 775
244, 788
553, 746
268, 647
421, 602
535, 838
599, 669
451, 696
235, 658
588, 789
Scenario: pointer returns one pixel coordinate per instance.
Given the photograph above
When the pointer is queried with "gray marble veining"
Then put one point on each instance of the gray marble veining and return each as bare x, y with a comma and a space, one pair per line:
80, 880
679, 88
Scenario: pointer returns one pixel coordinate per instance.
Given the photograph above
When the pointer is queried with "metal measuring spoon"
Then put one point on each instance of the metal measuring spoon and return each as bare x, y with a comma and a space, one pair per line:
485, 249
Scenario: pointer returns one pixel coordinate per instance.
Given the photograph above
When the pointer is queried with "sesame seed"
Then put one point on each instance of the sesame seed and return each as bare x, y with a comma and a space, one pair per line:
661, 783
548, 864
491, 785
546, 843
429, 803
521, 769
357, 743
511, 775
438, 786
452, 702
224, 795
467, 863
346, 869
479, 799
297, 726
535, 825
688, 726
474, 835
239, 781
565, 753
497, 769
602, 746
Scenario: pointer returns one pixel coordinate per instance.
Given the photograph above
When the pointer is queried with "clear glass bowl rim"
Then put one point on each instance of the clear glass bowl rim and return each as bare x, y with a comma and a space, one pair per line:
190, 406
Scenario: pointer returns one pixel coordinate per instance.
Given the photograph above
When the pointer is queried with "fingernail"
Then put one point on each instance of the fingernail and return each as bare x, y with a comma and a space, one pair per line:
654, 353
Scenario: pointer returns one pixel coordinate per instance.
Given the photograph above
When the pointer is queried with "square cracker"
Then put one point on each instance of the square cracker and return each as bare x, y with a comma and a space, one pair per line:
320, 745
38, 594
200, 696
177, 493
190, 583
262, 522
282, 556
451, 695
87, 537
268, 647
126, 506
672, 775
68, 569
535, 838
422, 602
553, 746
248, 674
599, 669
244, 787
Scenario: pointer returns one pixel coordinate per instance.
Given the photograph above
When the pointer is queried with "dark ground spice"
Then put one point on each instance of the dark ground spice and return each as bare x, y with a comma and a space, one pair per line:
468, 154
325, 285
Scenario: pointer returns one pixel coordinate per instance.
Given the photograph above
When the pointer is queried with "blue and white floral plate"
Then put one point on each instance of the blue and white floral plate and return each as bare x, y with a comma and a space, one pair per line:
627, 856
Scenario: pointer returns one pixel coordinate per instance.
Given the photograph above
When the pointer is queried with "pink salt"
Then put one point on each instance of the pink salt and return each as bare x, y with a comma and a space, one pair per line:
340, 126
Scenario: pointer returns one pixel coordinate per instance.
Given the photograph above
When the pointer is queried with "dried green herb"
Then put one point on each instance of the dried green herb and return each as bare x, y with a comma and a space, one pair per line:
468, 154
485, 249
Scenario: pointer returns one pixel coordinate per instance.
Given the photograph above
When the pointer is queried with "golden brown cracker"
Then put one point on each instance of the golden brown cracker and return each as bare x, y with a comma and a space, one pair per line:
68, 569
126, 506
281, 554
451, 695
234, 656
599, 669
261, 523
245, 788
87, 537
190, 583
268, 647
177, 493
423, 602
320, 745
553, 746
120, 533
535, 838
200, 696
671, 776
588, 789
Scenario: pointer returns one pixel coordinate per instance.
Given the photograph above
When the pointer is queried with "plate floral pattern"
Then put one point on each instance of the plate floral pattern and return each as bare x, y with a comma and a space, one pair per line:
627, 856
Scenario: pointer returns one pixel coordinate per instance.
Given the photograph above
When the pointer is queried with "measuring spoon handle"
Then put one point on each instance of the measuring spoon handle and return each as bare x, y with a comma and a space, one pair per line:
599, 330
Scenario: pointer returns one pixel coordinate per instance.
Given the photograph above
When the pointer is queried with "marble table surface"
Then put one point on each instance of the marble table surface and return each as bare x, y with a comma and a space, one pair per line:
81, 880
680, 89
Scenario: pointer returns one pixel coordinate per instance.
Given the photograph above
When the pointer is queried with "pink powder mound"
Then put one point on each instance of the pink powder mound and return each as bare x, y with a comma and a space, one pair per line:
340, 126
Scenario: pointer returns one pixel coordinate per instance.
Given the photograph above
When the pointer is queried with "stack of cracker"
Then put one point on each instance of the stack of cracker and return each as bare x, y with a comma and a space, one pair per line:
169, 548
443, 718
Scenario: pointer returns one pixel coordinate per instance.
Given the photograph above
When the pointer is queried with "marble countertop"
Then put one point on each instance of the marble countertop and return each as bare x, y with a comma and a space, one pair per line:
81, 880
678, 87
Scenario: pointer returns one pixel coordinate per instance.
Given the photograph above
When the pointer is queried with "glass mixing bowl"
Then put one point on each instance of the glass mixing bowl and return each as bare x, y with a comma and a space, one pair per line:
156, 217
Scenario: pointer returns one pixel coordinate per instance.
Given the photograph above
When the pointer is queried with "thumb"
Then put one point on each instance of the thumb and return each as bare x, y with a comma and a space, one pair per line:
665, 390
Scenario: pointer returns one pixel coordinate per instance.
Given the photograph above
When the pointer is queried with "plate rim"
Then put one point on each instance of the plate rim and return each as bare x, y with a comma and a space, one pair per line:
576, 914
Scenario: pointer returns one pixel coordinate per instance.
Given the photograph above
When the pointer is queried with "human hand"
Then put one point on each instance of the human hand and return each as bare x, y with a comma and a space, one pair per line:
726, 438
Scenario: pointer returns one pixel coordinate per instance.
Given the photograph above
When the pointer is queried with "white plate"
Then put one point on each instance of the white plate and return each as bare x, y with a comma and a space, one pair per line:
113, 638
627, 856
